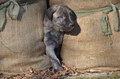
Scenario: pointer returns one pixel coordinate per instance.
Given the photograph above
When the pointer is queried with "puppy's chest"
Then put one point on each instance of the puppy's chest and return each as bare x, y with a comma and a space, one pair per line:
57, 37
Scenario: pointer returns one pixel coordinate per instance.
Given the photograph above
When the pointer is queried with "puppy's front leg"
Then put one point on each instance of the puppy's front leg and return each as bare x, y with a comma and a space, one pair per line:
54, 60
57, 52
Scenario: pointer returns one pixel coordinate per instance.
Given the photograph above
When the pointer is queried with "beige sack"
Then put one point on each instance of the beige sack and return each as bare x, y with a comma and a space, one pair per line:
84, 4
90, 49
21, 45
3, 1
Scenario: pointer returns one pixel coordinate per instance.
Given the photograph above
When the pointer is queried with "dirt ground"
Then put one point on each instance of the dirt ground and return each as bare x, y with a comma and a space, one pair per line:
44, 74
69, 73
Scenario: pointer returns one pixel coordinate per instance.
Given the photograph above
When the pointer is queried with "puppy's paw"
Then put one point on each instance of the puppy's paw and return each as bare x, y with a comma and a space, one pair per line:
58, 69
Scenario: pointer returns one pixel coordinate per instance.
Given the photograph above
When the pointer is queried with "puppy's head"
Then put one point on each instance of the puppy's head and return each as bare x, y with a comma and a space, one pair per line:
62, 17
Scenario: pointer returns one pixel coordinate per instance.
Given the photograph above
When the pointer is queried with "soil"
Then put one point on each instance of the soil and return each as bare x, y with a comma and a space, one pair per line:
68, 73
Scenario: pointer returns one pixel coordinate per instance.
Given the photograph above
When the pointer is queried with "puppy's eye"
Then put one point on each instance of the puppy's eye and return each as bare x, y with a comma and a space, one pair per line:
60, 17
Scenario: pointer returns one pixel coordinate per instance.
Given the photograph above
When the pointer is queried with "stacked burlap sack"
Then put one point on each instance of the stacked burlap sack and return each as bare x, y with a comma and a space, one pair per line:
89, 45
96, 43
21, 40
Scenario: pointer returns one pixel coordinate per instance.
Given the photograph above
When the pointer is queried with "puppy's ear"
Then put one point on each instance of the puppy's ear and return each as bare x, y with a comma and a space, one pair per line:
73, 15
50, 12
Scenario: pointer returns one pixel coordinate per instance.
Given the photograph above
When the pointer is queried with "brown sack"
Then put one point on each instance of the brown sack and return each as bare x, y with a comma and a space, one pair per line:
90, 49
3, 1
21, 45
84, 4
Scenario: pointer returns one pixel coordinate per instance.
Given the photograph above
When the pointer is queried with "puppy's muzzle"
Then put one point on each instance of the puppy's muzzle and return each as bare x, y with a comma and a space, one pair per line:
69, 27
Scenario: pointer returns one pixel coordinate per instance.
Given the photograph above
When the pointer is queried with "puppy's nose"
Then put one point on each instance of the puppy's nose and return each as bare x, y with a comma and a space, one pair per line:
71, 25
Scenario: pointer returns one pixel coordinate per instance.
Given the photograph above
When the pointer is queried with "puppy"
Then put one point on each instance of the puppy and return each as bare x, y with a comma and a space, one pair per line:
58, 20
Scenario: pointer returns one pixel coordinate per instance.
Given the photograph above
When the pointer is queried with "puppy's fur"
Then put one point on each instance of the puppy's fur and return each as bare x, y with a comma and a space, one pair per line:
58, 20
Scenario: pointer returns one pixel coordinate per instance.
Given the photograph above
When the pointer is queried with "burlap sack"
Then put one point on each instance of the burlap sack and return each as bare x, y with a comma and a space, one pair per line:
84, 4
21, 45
89, 48
3, 1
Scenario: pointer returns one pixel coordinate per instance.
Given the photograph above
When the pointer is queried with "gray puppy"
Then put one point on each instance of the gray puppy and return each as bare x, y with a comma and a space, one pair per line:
58, 20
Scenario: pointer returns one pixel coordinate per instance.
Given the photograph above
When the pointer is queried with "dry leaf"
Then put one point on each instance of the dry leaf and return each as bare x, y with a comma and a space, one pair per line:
31, 69
46, 74
47, 78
